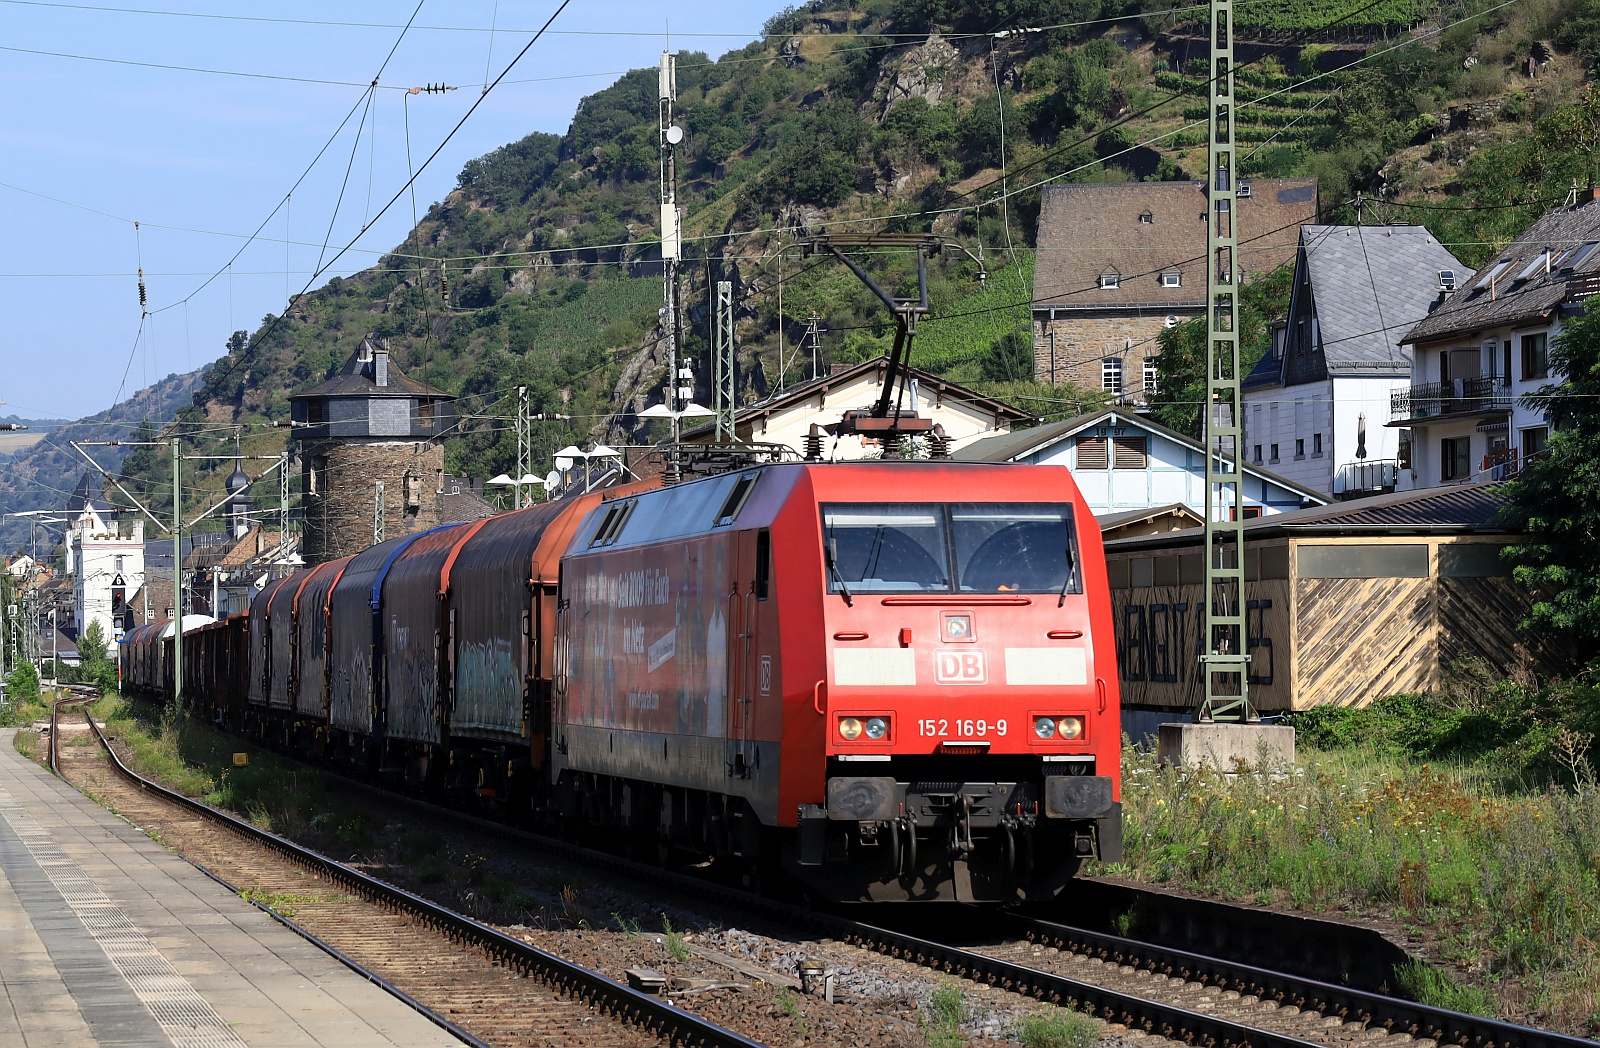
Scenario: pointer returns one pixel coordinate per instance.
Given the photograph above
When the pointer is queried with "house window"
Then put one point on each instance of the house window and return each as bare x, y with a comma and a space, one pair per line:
1316, 444
1149, 374
1129, 453
1534, 441
1110, 278
424, 414
1146, 218
1535, 357
314, 412
1172, 278
1111, 375
1455, 458
1274, 457
1092, 453
1299, 447
1258, 454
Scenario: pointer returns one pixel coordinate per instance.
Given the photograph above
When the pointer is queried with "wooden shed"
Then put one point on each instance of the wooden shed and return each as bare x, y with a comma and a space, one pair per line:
1344, 604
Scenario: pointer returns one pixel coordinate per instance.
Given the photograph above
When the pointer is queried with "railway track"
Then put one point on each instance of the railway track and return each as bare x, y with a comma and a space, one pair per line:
484, 986
1159, 990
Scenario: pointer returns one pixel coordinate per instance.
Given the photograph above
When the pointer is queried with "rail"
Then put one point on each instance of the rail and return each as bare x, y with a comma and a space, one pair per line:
1500, 465
1367, 477
1396, 1015
651, 1013
1390, 1013
1458, 396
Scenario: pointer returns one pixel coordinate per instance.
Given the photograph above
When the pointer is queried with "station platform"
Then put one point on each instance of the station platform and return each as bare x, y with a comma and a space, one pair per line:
109, 940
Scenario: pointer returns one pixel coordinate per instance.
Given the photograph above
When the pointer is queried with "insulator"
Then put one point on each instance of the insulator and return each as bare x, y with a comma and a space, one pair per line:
444, 283
143, 299
814, 444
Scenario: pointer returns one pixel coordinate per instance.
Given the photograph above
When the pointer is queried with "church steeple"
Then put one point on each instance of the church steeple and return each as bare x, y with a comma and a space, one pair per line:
239, 500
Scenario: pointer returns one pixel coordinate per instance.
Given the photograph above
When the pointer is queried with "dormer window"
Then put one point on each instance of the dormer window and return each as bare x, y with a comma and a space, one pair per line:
1110, 279
1172, 278
1146, 218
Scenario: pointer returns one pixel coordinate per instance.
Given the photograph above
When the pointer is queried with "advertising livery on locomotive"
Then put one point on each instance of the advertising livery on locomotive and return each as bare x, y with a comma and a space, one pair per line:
894, 680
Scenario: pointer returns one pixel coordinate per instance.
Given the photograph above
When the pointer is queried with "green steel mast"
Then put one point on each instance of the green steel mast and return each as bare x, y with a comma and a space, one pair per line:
1225, 661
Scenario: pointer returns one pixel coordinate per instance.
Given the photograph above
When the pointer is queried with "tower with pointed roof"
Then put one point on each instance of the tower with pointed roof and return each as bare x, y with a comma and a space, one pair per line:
371, 457
239, 500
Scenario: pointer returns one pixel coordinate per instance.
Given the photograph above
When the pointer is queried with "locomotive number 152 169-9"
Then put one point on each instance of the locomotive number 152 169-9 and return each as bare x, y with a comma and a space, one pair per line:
961, 729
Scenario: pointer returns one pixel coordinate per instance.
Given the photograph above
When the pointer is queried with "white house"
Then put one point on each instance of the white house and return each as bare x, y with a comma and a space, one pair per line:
1124, 461
1316, 407
786, 417
1486, 348
106, 563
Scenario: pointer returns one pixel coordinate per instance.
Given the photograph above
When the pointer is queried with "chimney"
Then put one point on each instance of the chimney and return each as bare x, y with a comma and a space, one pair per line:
380, 366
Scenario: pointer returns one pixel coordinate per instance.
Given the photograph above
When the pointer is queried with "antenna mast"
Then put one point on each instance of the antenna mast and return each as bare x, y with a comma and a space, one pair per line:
1225, 664
671, 238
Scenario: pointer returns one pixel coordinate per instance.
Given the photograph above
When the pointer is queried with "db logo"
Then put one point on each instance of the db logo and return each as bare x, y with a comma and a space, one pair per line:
960, 667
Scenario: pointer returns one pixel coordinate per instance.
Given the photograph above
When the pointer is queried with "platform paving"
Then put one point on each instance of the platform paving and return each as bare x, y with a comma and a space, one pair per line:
107, 939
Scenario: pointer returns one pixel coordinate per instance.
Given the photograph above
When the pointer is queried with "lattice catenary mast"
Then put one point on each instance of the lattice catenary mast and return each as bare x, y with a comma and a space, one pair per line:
1225, 663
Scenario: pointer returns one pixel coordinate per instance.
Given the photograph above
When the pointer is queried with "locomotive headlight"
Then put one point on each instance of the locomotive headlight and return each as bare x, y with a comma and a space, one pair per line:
1044, 727
849, 728
877, 727
1070, 727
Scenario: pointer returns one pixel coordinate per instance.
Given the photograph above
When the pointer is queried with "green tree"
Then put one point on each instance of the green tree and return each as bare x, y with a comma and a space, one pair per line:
1181, 365
22, 683
1008, 359
94, 665
1555, 500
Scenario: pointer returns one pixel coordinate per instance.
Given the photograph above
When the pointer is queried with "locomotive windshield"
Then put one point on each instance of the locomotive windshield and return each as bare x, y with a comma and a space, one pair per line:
945, 548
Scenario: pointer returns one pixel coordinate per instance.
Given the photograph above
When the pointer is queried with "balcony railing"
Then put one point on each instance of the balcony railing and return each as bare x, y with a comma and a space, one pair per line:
1460, 396
1366, 477
1580, 287
1500, 465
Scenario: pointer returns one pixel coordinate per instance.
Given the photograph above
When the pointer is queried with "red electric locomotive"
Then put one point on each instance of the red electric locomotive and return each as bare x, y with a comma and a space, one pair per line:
893, 678
898, 674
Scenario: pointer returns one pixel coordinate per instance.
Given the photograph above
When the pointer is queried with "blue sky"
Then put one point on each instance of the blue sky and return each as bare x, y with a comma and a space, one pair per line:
200, 159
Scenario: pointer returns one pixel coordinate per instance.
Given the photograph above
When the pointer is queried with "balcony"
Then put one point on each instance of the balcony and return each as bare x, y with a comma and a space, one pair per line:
1500, 465
1460, 396
1356, 480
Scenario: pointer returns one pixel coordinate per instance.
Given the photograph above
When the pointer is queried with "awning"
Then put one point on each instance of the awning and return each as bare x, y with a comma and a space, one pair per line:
1493, 425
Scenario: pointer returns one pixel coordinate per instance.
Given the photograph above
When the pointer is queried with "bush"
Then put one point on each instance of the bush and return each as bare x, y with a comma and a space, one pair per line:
1057, 1028
1521, 733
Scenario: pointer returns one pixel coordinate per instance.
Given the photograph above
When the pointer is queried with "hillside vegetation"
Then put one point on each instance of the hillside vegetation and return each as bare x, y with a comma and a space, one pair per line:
542, 268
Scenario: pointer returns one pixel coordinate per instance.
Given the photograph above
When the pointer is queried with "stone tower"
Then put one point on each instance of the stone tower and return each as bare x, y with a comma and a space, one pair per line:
371, 461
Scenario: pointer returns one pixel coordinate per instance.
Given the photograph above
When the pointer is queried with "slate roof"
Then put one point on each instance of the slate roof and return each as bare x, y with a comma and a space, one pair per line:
1470, 508
1085, 230
1564, 231
1370, 285
1019, 444
356, 379
88, 493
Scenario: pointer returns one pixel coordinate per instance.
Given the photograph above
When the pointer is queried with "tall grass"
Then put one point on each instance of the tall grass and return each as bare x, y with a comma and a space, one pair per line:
1507, 882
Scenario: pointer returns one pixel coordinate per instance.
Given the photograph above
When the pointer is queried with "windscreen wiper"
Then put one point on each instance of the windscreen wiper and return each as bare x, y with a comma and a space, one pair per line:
1072, 573
833, 569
